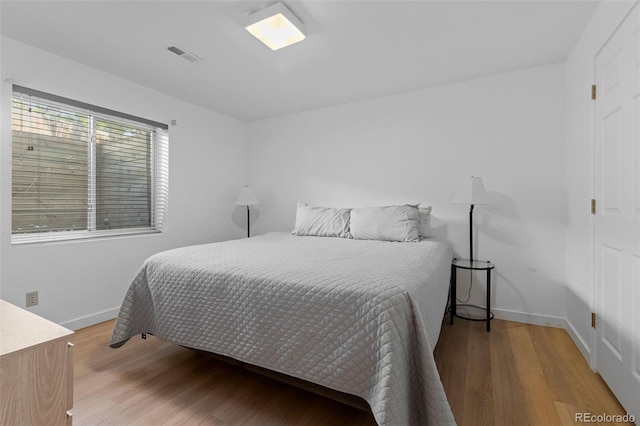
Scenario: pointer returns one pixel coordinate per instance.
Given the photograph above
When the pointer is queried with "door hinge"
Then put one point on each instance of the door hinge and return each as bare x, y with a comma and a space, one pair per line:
593, 206
593, 320
593, 92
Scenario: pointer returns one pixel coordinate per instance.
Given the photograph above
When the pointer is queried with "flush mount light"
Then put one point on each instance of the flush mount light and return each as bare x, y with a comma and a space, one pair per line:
276, 26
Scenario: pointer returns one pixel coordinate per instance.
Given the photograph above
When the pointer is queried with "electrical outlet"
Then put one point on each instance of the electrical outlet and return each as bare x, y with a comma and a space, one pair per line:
32, 298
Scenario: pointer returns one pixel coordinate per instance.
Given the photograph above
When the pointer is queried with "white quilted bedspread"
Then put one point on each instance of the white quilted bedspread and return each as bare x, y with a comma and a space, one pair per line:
361, 317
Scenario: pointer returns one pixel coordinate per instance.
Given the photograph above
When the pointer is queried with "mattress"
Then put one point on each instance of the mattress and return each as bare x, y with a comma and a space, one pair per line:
360, 317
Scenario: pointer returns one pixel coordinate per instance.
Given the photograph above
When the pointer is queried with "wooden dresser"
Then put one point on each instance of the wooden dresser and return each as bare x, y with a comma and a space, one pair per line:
36, 369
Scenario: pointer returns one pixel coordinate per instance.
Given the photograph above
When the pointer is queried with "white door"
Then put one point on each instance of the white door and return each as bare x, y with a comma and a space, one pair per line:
617, 219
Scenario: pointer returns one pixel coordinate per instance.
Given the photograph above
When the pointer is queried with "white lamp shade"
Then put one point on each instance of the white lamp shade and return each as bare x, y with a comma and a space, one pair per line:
471, 192
247, 197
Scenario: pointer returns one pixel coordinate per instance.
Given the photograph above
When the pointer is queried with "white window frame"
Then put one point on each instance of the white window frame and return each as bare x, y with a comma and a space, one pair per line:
159, 156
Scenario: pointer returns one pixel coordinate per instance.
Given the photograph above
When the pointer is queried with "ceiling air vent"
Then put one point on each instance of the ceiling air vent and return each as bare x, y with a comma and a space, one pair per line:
191, 57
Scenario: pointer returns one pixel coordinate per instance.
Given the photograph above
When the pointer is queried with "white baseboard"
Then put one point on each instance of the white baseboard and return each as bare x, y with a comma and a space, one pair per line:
535, 319
547, 321
582, 346
92, 319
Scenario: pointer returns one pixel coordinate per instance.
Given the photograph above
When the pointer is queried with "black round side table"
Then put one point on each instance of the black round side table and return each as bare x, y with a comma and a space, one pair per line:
472, 265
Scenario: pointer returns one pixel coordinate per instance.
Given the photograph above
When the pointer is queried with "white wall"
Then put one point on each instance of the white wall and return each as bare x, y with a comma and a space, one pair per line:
580, 76
408, 147
80, 283
417, 146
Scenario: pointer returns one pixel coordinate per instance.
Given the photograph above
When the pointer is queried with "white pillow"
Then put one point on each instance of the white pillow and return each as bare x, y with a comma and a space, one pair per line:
321, 221
424, 214
389, 223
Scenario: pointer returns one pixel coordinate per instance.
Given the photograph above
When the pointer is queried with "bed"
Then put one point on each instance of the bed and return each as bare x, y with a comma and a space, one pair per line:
357, 316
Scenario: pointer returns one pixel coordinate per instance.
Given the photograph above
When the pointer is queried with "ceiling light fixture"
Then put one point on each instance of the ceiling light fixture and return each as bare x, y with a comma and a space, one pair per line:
276, 26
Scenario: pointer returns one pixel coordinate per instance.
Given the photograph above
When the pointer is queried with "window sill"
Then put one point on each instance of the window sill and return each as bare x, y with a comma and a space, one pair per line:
78, 236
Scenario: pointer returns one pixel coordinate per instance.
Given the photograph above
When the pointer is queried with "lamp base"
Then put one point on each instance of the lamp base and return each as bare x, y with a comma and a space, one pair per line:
248, 222
471, 233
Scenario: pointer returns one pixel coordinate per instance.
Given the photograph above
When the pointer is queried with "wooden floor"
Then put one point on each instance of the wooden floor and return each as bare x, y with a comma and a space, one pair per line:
515, 375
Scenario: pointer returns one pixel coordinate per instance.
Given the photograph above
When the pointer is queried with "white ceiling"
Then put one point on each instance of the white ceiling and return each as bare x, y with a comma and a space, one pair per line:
353, 50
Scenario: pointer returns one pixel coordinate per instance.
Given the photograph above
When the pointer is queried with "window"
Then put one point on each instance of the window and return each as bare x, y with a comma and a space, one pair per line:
82, 171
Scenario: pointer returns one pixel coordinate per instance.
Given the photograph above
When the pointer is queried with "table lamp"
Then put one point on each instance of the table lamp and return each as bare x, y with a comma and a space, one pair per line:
471, 192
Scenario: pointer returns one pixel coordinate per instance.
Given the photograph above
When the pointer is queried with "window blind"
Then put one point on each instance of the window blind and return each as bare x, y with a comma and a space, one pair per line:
80, 171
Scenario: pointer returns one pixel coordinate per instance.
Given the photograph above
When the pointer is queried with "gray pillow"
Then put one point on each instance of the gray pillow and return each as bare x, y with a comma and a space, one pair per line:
388, 223
321, 221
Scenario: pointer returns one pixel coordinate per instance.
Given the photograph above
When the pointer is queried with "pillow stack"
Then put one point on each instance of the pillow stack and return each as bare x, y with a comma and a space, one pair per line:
405, 222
